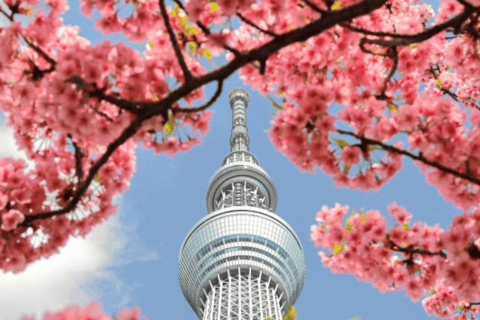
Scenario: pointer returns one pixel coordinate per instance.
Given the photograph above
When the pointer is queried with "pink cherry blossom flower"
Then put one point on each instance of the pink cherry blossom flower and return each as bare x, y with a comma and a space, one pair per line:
351, 155
11, 219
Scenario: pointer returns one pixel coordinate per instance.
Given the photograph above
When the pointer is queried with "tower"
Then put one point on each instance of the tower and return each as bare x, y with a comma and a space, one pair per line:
241, 261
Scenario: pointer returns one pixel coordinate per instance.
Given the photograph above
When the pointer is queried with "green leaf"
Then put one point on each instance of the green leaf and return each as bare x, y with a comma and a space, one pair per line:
349, 227
341, 143
336, 5
184, 20
97, 179
207, 54
170, 125
192, 46
337, 248
176, 10
405, 227
373, 147
274, 103
214, 7
413, 45
439, 83
290, 314
190, 30
150, 44
346, 169
155, 97
392, 107
363, 217
432, 292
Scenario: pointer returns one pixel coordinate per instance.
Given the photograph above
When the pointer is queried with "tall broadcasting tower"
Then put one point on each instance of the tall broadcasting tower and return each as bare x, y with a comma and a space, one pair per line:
241, 261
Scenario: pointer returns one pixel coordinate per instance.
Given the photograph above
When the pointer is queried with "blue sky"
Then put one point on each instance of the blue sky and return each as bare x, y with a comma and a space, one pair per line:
132, 259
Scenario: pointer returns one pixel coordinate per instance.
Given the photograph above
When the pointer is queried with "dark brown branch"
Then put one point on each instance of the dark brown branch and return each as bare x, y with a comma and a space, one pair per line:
264, 51
411, 251
78, 162
366, 50
446, 91
374, 33
405, 40
250, 23
314, 7
92, 91
9, 17
151, 109
181, 60
419, 158
205, 105
134, 126
45, 56
394, 56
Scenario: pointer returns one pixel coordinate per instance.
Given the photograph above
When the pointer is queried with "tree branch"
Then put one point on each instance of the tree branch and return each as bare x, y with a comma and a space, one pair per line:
205, 105
92, 91
78, 162
397, 248
250, 23
83, 186
151, 109
405, 40
45, 56
264, 51
446, 91
173, 40
314, 7
394, 56
419, 158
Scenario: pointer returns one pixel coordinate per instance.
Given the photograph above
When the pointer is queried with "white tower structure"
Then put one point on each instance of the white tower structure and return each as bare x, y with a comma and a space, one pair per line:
241, 261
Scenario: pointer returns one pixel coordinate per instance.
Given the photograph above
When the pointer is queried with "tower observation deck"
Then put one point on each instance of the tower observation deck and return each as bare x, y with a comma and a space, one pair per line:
241, 261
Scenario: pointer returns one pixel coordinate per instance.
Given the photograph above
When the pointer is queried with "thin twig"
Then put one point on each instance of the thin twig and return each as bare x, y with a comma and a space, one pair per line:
181, 60
446, 91
395, 247
375, 33
250, 23
412, 156
394, 56
128, 132
405, 40
314, 7
40, 52
207, 104
78, 161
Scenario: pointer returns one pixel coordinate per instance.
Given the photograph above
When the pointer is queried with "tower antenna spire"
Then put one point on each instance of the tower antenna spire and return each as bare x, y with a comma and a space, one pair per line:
239, 139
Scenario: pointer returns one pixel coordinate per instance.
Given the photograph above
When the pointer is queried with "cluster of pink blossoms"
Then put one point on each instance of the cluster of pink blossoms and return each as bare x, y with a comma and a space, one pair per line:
47, 93
443, 266
93, 311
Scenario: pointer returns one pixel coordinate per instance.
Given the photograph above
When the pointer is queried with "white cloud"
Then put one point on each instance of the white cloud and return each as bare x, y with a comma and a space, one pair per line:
82, 271
8, 147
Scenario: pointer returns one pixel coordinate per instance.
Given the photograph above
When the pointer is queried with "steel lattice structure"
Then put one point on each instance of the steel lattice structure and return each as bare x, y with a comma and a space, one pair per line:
241, 261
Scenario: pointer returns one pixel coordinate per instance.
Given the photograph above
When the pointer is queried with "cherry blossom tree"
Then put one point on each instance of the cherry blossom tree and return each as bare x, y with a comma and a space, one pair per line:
363, 84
